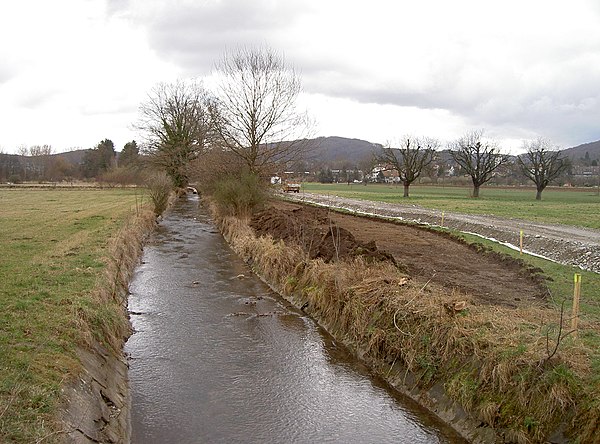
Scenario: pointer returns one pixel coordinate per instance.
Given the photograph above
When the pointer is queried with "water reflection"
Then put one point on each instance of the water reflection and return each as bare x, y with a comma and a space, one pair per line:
217, 357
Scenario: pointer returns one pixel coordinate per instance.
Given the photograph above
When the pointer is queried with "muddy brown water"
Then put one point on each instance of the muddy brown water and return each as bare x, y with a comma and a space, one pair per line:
219, 358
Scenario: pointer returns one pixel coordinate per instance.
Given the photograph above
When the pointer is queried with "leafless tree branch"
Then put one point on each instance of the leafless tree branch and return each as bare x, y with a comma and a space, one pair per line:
541, 164
176, 126
410, 159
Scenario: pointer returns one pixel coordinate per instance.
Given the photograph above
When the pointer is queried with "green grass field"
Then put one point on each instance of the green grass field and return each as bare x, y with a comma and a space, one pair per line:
53, 245
579, 207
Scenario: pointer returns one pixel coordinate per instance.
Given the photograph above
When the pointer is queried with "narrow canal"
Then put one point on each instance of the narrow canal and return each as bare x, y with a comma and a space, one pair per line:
217, 357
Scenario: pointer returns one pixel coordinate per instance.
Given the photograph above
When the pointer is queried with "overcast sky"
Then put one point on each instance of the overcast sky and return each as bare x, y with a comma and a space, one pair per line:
73, 72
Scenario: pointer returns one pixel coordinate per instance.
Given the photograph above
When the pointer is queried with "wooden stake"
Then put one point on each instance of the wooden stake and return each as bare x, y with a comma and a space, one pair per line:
442, 219
521, 242
576, 296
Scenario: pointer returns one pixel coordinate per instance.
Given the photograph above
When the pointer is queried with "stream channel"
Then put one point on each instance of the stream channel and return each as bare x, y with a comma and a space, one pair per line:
217, 357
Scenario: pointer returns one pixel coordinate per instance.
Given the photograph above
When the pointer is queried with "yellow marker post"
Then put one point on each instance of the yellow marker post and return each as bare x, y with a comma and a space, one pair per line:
521, 242
576, 297
442, 219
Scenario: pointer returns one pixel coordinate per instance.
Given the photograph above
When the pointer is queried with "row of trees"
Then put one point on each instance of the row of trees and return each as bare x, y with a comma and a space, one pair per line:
246, 121
477, 157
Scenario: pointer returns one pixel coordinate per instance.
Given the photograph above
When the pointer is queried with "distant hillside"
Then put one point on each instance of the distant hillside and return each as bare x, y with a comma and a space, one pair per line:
340, 150
73, 157
16, 168
579, 151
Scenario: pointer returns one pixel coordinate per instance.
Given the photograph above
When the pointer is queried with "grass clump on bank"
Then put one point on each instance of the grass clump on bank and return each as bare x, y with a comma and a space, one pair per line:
66, 258
496, 362
236, 193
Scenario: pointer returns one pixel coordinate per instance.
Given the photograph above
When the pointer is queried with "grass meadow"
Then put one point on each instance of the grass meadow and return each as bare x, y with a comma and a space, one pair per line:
578, 207
54, 247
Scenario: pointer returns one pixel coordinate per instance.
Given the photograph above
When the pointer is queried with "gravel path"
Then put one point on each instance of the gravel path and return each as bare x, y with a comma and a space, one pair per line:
561, 243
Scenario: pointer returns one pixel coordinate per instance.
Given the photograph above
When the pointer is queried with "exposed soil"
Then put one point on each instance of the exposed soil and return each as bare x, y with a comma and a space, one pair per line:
425, 255
315, 232
561, 243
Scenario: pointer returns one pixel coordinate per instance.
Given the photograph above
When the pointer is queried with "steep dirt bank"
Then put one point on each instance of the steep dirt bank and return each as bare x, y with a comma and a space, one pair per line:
564, 244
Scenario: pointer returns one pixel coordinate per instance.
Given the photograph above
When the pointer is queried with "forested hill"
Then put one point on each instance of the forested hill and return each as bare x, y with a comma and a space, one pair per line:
341, 150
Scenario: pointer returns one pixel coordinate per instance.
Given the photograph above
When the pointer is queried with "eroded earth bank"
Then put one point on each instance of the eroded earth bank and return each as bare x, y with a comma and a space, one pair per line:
458, 329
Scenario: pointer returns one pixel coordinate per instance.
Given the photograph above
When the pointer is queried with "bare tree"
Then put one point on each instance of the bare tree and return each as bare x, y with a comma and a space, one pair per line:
541, 163
40, 159
175, 124
410, 158
255, 111
478, 158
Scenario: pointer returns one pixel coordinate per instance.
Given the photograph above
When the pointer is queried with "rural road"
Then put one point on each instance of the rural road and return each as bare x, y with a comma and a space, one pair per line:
561, 243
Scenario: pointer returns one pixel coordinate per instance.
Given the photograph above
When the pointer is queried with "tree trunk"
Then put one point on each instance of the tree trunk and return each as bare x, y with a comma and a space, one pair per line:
538, 195
475, 190
406, 185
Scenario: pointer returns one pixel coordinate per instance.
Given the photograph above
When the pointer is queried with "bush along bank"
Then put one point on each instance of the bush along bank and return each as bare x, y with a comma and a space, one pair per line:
96, 402
496, 374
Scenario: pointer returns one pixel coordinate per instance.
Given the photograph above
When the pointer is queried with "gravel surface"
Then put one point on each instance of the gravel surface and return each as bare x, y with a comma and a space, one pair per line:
561, 243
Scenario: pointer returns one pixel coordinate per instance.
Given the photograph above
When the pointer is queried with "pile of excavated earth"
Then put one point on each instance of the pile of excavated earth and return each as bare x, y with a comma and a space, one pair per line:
425, 255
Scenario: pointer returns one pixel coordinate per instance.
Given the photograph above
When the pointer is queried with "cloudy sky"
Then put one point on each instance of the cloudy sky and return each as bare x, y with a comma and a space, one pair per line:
73, 72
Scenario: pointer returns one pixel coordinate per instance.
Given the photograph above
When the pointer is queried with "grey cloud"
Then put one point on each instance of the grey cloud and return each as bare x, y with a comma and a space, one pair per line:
196, 35
565, 106
544, 88
113, 108
34, 98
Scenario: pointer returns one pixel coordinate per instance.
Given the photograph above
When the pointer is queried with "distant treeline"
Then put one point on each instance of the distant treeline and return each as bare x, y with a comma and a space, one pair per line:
39, 164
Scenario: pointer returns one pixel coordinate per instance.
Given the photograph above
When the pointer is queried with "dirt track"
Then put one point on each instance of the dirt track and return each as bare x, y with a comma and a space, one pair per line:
561, 243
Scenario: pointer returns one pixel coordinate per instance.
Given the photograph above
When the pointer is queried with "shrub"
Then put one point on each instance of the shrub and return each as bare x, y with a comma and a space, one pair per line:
239, 195
14, 178
159, 186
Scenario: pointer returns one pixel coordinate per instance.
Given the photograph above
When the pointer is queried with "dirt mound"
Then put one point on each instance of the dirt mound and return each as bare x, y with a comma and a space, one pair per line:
314, 231
426, 255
